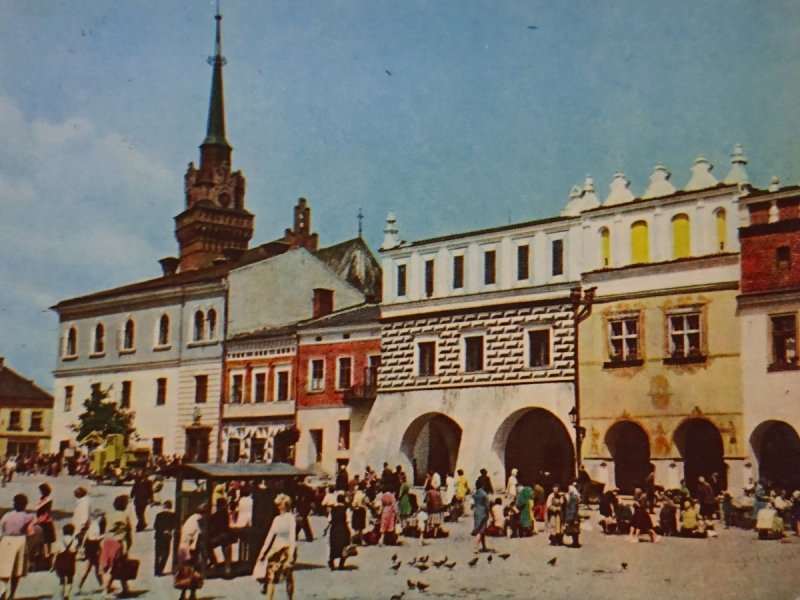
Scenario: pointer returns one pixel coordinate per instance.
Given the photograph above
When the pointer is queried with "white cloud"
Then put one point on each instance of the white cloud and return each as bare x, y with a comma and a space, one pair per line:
80, 210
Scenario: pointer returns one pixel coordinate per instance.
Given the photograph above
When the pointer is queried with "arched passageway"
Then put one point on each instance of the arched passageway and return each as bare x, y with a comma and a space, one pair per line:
535, 442
700, 444
777, 449
630, 448
431, 444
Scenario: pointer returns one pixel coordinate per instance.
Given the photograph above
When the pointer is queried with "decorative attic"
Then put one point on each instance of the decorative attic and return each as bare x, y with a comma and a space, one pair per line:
659, 183
618, 190
737, 174
701, 175
390, 237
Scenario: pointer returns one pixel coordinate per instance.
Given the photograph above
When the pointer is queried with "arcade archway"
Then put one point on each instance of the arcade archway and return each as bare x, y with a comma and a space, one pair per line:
777, 449
630, 448
700, 444
535, 442
431, 444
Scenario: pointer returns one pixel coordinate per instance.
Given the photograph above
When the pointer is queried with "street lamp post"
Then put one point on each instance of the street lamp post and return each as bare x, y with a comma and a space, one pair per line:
581, 301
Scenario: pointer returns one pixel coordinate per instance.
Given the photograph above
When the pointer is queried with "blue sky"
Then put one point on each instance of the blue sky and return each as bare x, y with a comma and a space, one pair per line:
482, 120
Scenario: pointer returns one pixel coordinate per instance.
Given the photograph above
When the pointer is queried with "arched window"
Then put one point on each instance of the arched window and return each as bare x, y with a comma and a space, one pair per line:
722, 226
605, 246
71, 348
681, 241
640, 242
128, 337
211, 318
199, 325
163, 330
99, 338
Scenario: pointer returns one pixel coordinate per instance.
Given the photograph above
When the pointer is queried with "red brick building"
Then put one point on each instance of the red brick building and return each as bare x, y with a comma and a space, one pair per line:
768, 307
338, 356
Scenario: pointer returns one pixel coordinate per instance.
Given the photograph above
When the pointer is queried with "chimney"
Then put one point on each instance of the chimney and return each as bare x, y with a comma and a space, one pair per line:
323, 302
169, 265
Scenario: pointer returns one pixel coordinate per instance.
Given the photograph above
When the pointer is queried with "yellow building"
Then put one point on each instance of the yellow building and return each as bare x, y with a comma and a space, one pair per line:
660, 373
26, 413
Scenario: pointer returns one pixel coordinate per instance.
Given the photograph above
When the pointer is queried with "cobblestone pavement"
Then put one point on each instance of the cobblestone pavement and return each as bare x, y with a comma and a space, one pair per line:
733, 565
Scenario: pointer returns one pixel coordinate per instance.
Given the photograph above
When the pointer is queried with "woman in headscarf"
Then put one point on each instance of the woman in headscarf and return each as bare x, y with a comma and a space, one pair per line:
555, 517
511, 487
14, 527
339, 533
404, 501
276, 558
116, 544
388, 518
480, 517
572, 517
525, 509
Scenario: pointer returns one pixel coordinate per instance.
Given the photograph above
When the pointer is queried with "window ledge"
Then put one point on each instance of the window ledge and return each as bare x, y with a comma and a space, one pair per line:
201, 343
620, 364
69, 357
475, 371
685, 360
783, 366
426, 376
127, 351
162, 348
538, 367
97, 355
316, 391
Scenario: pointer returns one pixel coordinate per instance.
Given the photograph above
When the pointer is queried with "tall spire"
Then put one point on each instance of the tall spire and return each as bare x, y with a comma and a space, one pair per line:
215, 133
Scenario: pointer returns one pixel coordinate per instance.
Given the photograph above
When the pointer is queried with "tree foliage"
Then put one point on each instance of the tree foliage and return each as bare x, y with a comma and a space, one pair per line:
104, 416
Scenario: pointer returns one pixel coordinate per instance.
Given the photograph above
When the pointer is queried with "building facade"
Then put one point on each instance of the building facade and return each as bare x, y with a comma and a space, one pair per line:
337, 365
26, 412
768, 309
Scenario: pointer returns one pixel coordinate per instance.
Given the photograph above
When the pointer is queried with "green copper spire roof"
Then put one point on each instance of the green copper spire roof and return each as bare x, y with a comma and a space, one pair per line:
215, 134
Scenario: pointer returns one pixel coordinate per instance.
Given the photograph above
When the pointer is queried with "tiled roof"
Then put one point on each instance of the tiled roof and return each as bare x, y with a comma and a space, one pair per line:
265, 333
15, 386
356, 315
353, 261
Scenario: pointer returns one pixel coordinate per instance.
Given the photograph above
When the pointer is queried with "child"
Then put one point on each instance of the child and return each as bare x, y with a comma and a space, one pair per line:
64, 563
422, 525
91, 545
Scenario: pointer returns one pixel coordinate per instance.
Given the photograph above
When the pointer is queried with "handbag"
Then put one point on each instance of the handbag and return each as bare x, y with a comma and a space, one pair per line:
125, 569
188, 578
350, 550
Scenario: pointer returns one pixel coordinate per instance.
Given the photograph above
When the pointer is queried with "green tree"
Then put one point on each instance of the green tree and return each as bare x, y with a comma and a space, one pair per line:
104, 416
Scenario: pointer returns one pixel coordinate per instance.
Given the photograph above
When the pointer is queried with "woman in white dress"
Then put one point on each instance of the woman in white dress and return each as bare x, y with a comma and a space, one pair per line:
276, 559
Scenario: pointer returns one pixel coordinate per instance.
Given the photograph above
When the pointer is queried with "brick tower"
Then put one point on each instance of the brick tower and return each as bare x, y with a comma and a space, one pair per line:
214, 223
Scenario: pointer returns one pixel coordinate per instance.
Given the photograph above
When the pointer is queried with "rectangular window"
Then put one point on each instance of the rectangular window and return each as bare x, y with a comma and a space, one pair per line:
401, 280
429, 265
684, 335
161, 391
458, 272
489, 267
473, 353
282, 386
316, 379
234, 446
784, 340
623, 339
15, 420
200, 389
260, 387
558, 257
344, 435
426, 359
158, 446
783, 258
37, 418
125, 396
237, 388
523, 262
539, 348
344, 373
316, 442
69, 392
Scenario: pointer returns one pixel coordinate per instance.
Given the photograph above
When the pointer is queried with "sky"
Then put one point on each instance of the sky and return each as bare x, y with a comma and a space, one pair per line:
455, 114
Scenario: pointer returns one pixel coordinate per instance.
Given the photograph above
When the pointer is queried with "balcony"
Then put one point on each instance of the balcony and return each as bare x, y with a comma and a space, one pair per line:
257, 410
363, 391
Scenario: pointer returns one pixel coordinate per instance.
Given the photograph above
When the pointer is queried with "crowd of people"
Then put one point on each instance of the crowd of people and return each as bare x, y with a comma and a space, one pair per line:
369, 509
